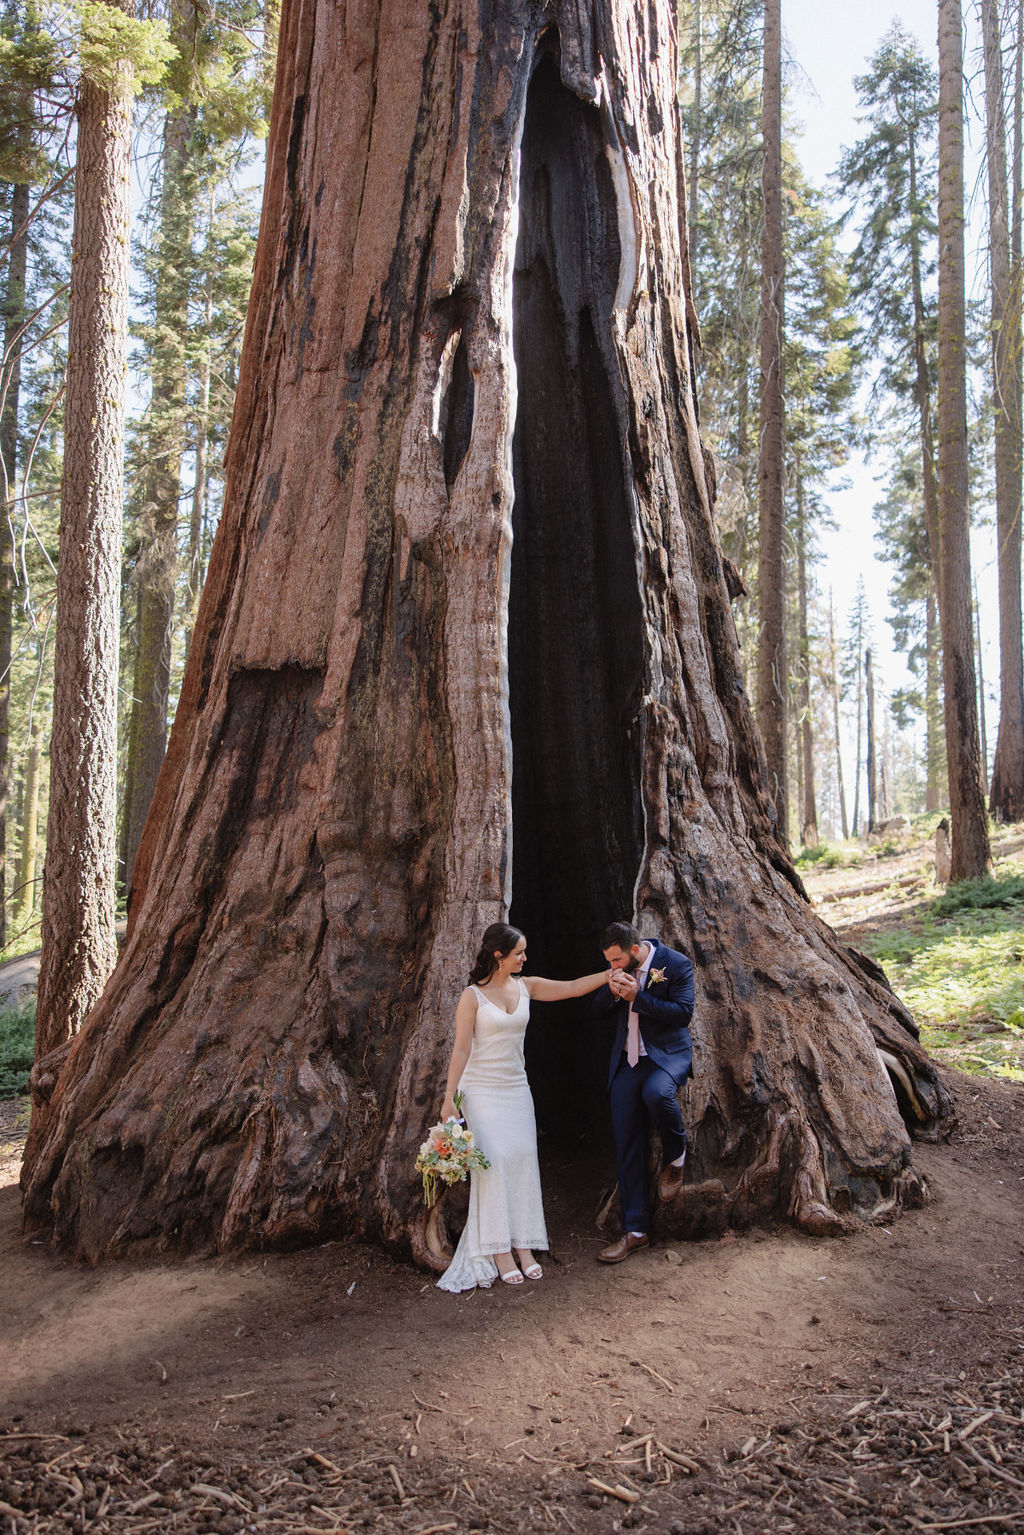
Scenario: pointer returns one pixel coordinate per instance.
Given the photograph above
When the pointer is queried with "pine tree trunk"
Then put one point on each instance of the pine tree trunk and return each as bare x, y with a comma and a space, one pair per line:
922, 384
772, 671
885, 772
969, 829
859, 756
201, 448
696, 132
157, 569
466, 525
10, 383
872, 756
935, 735
809, 820
29, 824
1007, 797
834, 662
982, 731
78, 885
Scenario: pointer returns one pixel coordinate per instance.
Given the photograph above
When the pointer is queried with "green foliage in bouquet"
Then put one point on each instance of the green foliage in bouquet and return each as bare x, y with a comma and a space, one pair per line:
448, 1154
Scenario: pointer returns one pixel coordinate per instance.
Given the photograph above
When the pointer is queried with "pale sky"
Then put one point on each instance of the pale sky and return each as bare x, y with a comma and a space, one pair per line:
828, 45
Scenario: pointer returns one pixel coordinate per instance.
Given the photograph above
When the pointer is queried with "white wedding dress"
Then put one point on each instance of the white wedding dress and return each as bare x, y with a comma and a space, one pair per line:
505, 1208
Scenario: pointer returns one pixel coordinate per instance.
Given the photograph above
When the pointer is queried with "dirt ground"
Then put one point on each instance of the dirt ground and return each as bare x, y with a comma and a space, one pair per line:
770, 1382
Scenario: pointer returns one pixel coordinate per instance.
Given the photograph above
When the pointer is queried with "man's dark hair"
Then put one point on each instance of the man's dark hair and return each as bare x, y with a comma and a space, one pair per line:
620, 935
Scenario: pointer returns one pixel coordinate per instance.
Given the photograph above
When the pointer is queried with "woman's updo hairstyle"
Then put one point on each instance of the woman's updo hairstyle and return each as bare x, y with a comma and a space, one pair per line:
498, 939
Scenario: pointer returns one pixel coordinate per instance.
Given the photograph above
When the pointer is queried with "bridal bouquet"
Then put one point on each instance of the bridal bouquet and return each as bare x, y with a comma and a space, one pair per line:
449, 1153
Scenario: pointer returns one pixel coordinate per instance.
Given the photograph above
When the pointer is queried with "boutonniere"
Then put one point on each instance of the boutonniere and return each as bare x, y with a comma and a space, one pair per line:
655, 977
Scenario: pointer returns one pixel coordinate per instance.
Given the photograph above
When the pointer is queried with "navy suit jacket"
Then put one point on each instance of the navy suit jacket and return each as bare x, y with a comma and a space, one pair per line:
664, 1009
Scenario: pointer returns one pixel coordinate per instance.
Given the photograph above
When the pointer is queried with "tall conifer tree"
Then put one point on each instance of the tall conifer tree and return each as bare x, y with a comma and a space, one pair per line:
969, 825
1007, 799
79, 946
772, 669
890, 177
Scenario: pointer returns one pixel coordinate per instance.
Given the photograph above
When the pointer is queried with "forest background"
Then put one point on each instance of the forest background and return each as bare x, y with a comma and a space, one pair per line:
865, 736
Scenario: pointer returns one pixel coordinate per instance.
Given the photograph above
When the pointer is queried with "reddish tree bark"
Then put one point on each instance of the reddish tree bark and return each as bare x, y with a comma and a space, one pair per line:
805, 748
1007, 796
10, 387
970, 845
772, 666
78, 943
465, 641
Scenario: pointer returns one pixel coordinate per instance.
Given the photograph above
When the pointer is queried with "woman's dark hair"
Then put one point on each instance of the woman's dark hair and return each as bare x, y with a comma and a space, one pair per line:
498, 939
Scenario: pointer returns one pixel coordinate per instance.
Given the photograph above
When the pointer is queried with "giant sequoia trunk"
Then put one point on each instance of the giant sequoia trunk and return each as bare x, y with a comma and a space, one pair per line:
465, 645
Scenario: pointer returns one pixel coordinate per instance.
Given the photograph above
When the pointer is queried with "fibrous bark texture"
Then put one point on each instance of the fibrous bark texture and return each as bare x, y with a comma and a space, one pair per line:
809, 814
10, 389
970, 845
772, 666
1007, 796
465, 643
78, 940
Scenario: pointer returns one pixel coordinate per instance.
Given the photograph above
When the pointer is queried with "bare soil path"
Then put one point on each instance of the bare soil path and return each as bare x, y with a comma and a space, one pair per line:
761, 1384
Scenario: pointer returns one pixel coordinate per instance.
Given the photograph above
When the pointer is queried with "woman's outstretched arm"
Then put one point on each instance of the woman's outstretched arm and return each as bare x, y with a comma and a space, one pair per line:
559, 991
465, 1022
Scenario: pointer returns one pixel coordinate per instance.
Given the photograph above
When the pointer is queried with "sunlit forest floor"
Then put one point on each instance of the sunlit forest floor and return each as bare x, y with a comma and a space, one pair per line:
767, 1382
956, 957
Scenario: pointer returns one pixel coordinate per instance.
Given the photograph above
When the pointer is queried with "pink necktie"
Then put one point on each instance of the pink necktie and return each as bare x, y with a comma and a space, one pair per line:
633, 1037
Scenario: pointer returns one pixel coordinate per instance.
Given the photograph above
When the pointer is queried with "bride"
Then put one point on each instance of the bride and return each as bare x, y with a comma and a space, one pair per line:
506, 1215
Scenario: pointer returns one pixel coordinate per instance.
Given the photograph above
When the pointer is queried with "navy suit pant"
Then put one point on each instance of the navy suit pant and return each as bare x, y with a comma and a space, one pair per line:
636, 1092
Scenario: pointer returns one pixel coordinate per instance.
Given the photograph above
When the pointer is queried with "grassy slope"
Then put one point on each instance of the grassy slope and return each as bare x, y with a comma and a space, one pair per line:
955, 956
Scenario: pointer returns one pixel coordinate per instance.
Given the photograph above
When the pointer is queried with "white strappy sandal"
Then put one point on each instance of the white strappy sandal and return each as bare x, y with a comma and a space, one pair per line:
531, 1270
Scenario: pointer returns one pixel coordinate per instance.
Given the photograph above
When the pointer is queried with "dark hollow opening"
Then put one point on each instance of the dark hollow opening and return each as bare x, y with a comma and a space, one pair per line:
575, 621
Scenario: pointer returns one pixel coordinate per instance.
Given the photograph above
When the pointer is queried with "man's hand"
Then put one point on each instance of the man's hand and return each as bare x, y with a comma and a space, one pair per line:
623, 984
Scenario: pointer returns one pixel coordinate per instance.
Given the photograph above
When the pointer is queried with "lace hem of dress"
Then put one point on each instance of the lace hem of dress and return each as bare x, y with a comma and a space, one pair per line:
465, 1273
535, 1244
479, 1271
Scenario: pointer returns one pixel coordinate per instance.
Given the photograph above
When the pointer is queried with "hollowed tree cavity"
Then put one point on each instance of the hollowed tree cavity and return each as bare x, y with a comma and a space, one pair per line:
575, 626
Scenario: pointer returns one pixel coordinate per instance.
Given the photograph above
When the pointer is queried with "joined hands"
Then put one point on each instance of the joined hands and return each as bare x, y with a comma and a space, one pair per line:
622, 984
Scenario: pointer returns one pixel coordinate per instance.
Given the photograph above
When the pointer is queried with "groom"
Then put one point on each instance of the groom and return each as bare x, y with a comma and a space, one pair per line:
650, 987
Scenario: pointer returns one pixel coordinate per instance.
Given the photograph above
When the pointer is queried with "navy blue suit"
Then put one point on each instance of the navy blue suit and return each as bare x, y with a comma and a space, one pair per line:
664, 1009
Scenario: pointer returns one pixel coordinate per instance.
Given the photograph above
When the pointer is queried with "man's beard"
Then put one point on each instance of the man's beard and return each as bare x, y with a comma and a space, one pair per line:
634, 965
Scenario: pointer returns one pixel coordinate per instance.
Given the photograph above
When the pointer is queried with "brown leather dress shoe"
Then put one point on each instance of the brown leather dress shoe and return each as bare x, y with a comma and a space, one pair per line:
627, 1243
671, 1181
